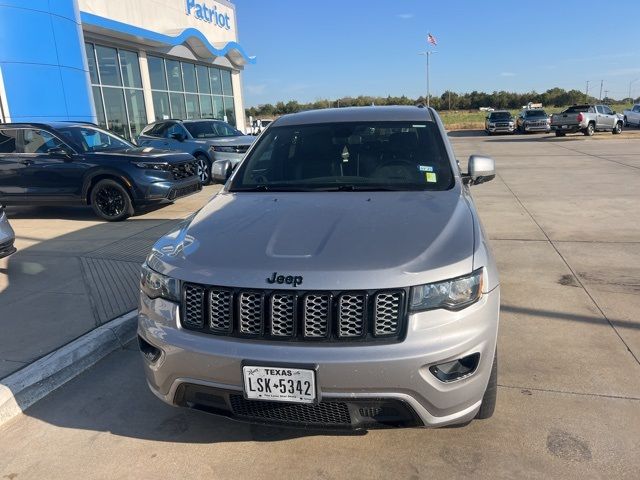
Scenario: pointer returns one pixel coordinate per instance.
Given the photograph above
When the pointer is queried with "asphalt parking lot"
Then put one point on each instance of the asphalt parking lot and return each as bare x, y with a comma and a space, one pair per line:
564, 223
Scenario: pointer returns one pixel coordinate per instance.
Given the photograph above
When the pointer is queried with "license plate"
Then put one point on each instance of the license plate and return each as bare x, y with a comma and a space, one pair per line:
565, 126
279, 384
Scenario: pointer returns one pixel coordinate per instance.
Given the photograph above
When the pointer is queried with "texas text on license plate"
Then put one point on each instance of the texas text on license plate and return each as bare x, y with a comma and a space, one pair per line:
279, 384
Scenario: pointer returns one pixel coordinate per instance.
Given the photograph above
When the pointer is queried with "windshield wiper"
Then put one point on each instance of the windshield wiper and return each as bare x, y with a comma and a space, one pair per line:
361, 188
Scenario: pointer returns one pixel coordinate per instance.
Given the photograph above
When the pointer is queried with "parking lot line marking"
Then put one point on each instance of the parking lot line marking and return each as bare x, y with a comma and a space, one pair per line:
573, 272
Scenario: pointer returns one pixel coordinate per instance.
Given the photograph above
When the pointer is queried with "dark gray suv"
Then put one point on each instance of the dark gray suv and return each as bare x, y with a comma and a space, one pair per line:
217, 146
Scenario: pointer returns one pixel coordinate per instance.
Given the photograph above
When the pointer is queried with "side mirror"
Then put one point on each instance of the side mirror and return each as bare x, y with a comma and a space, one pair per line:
177, 136
59, 150
221, 170
481, 169
614, 112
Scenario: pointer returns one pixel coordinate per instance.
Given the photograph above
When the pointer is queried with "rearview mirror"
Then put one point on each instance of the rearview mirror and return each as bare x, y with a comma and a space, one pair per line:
221, 170
481, 169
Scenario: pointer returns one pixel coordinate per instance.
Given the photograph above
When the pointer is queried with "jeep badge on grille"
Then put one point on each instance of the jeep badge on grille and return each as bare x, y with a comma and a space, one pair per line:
289, 279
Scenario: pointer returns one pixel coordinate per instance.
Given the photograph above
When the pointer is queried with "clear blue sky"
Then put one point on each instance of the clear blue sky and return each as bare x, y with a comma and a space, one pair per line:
307, 50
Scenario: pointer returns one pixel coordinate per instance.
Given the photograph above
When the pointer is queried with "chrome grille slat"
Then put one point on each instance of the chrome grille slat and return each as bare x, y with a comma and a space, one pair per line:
220, 310
351, 315
387, 313
250, 312
316, 314
283, 314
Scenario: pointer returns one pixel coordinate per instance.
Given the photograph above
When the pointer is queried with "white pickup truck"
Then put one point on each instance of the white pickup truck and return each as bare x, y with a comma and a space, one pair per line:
632, 116
587, 119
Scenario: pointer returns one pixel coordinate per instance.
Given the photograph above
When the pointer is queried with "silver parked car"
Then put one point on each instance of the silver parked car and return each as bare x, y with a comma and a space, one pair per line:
216, 145
7, 236
341, 278
500, 121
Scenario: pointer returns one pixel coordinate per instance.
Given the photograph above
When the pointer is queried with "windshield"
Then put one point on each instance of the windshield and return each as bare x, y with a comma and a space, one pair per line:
209, 129
536, 113
347, 156
93, 139
500, 116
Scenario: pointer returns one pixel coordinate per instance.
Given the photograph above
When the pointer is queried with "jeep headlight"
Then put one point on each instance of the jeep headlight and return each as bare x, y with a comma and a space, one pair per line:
453, 294
156, 285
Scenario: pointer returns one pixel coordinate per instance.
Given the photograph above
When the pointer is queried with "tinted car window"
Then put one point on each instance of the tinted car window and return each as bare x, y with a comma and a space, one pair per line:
577, 109
500, 116
8, 141
38, 141
607, 110
211, 129
536, 113
636, 108
156, 130
348, 156
91, 139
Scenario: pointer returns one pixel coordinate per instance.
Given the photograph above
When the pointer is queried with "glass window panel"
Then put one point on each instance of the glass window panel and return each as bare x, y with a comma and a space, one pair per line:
227, 89
137, 111
9, 141
38, 141
178, 108
115, 110
203, 79
156, 72
206, 106
161, 105
91, 60
130, 69
216, 81
189, 73
193, 106
97, 100
229, 111
108, 65
218, 107
174, 74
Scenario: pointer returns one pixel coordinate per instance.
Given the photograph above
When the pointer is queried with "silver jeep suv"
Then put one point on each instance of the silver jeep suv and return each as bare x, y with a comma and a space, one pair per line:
341, 278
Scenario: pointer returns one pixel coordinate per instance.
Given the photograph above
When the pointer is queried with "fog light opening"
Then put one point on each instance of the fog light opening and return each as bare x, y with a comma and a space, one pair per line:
456, 369
151, 353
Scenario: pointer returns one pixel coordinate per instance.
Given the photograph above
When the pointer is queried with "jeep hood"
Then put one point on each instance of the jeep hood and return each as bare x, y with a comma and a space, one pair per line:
334, 240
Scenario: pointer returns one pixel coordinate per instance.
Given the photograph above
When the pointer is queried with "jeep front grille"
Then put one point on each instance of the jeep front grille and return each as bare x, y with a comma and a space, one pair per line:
298, 316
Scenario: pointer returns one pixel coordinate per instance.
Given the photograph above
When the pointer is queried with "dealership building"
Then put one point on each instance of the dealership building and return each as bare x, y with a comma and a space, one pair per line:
120, 63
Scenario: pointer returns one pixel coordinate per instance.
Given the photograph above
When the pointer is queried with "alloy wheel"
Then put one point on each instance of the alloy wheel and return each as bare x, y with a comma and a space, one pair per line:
110, 201
202, 167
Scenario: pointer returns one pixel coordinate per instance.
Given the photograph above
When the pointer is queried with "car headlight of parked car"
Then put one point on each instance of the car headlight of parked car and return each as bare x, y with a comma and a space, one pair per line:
153, 165
156, 285
216, 148
453, 294
491, 124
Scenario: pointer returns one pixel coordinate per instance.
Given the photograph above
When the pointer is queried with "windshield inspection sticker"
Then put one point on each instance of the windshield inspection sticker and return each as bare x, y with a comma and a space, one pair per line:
425, 168
431, 177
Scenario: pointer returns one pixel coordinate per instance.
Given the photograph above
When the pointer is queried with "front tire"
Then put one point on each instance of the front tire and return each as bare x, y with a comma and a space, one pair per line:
203, 167
488, 405
617, 130
111, 201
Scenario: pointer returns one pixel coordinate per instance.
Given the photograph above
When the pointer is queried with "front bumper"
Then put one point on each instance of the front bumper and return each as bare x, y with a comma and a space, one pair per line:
536, 128
168, 190
509, 129
397, 372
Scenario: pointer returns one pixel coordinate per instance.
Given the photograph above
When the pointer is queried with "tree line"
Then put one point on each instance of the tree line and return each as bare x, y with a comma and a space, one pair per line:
554, 97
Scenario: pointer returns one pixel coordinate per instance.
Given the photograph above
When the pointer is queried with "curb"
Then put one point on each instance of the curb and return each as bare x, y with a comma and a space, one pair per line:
25, 387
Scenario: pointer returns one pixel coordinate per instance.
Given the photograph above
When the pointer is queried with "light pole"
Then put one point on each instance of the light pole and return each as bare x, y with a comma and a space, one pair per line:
631, 83
428, 54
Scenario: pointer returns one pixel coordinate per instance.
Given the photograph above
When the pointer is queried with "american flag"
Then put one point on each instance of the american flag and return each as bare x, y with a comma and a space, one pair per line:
432, 40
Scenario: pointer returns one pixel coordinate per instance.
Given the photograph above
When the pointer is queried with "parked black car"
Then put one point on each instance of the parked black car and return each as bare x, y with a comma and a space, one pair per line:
75, 163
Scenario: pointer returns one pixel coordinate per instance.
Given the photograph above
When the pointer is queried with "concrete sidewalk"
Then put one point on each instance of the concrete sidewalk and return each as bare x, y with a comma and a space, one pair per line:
73, 273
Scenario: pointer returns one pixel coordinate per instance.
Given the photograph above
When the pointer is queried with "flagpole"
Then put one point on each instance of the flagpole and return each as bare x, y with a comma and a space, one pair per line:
428, 54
